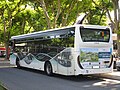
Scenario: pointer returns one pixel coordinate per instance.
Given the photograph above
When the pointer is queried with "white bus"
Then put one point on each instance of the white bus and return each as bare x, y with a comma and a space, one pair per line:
73, 50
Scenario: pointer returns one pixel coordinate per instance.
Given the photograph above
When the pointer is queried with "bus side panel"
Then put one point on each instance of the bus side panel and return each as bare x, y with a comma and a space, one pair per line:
13, 59
63, 63
54, 65
32, 63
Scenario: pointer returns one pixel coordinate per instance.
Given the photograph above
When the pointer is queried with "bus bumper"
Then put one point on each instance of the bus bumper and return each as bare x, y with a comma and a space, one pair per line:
94, 71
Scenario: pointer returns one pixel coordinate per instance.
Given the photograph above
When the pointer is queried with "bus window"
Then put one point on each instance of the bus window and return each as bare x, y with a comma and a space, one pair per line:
95, 35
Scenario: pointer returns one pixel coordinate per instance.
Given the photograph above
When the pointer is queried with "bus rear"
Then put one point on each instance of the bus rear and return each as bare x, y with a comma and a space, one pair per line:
93, 45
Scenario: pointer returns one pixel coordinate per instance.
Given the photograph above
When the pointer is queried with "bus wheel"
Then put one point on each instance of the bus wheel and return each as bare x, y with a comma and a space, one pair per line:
48, 68
18, 63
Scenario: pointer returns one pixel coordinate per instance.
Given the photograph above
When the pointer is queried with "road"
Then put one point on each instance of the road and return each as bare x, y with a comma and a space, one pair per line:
27, 79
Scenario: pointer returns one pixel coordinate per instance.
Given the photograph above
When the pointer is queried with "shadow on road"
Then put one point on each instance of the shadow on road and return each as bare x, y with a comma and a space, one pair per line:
79, 78
82, 81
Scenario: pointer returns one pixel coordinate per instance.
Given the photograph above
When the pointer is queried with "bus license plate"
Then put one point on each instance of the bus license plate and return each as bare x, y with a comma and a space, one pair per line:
96, 67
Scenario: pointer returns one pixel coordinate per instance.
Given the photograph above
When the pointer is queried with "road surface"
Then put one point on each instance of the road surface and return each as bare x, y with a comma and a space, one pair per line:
25, 79
28, 79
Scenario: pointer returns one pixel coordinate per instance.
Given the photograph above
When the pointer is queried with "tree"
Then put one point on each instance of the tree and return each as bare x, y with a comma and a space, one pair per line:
116, 9
16, 18
8, 10
60, 13
106, 6
116, 22
103, 7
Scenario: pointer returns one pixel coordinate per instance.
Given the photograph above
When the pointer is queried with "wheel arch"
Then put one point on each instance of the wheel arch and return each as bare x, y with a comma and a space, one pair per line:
46, 64
46, 70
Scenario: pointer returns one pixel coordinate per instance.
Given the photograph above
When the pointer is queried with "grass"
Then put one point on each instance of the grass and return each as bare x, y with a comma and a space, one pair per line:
2, 87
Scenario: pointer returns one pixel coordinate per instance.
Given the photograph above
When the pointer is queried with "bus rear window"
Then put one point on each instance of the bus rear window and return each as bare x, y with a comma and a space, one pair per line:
95, 35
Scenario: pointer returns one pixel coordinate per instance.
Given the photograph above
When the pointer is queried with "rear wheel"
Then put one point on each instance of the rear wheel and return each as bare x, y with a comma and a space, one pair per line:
48, 68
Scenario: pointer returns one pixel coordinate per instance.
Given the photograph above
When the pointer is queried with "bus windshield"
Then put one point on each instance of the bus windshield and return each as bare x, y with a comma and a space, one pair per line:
95, 35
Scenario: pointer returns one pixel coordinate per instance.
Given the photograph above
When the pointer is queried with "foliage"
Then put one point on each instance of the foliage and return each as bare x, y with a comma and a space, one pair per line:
26, 16
60, 13
98, 12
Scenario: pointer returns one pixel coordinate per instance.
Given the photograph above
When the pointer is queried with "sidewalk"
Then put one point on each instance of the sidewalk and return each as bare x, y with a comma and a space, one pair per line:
2, 59
5, 63
114, 75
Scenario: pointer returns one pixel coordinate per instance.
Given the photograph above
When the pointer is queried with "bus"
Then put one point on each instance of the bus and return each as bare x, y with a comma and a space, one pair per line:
72, 50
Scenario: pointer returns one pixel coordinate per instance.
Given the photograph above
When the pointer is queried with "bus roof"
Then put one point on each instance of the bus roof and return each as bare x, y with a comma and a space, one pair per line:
53, 32
50, 32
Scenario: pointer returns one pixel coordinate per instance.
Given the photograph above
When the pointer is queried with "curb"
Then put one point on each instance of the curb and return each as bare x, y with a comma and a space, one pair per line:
4, 61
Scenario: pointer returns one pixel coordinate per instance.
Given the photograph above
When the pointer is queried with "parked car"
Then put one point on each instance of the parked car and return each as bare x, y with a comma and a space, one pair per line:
3, 52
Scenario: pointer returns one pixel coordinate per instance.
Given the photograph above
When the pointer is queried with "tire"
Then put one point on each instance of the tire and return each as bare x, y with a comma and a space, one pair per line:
18, 63
48, 69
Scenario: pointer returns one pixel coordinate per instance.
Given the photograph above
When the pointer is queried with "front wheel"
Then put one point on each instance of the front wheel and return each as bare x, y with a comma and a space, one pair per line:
48, 68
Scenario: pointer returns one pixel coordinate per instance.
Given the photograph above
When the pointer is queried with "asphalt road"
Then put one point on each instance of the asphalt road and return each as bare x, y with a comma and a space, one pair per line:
27, 79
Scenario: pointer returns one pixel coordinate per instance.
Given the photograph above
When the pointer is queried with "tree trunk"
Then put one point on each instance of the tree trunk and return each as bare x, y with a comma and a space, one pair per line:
7, 34
118, 44
4, 21
7, 51
57, 15
46, 14
117, 21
